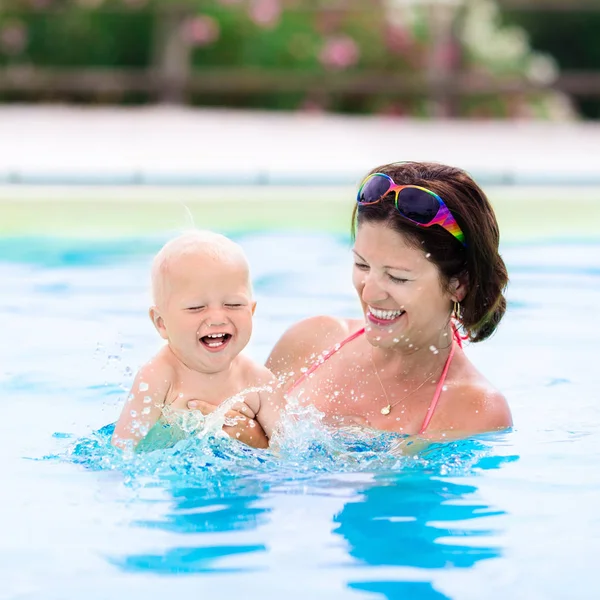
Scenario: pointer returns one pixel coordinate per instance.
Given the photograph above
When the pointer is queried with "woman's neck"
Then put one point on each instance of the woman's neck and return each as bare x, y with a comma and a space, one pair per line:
417, 360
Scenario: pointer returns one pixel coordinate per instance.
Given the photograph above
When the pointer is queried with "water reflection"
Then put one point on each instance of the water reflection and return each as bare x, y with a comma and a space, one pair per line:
400, 520
407, 590
199, 511
416, 520
403, 512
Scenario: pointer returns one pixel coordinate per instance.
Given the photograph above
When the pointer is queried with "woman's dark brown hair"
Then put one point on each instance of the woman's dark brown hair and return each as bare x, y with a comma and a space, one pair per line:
478, 263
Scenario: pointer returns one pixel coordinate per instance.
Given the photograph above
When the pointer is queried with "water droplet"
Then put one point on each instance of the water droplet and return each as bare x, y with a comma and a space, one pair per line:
378, 338
130, 398
143, 386
146, 410
410, 345
434, 349
147, 399
395, 340
133, 413
444, 388
428, 255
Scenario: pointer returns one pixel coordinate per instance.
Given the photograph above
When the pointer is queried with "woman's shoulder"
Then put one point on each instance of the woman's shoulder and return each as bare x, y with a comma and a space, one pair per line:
474, 406
305, 340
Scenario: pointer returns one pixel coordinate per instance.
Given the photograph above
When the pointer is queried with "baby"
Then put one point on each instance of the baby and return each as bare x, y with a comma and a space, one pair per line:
203, 308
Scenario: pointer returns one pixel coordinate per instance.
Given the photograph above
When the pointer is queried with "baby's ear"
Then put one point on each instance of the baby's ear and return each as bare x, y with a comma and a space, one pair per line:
158, 322
253, 307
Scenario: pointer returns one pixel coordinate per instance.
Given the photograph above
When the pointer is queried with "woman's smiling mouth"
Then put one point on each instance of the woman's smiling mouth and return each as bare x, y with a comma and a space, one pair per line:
383, 317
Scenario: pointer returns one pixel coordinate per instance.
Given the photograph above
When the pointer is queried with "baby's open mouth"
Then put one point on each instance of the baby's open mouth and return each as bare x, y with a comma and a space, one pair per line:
215, 341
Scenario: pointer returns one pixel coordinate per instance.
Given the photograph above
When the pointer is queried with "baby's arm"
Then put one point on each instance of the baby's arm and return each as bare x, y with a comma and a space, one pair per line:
143, 405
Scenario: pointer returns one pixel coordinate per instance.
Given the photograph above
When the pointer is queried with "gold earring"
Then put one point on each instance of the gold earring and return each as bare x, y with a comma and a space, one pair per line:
456, 311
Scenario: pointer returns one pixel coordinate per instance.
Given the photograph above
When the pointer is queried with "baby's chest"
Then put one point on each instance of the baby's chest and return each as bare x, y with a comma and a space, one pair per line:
180, 396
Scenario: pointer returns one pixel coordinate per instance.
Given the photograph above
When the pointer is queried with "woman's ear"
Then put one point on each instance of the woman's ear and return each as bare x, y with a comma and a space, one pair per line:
459, 286
158, 322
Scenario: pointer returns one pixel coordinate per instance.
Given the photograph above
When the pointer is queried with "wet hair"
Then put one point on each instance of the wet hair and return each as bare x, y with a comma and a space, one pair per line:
478, 263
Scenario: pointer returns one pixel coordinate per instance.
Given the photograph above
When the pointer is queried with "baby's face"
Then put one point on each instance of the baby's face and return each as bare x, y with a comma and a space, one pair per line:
206, 311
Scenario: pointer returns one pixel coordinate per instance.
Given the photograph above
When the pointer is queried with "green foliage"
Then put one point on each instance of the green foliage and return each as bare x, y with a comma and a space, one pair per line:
290, 40
570, 37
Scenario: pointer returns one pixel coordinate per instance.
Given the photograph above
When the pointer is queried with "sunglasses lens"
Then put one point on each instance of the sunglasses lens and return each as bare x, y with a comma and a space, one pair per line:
418, 205
375, 189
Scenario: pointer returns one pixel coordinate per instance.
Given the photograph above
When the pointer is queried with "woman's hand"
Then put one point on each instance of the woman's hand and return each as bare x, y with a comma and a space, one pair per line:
240, 423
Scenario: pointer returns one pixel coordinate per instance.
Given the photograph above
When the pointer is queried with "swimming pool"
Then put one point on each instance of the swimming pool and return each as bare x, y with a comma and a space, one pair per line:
512, 515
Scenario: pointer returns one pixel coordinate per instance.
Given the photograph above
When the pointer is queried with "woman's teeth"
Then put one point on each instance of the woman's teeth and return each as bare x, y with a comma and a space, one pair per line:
387, 315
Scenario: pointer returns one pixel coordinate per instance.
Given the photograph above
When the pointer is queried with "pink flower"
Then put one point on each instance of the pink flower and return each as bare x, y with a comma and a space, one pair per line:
339, 52
135, 3
265, 13
90, 3
398, 39
311, 105
201, 30
40, 3
13, 37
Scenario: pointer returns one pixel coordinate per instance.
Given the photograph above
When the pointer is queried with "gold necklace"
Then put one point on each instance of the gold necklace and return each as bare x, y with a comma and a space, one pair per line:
386, 410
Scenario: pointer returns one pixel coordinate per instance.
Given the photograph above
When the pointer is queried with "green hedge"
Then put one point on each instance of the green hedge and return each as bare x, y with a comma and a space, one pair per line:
571, 37
265, 35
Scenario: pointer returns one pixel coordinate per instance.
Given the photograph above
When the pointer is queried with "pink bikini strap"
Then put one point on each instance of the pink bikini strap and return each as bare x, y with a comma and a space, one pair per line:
438, 390
324, 357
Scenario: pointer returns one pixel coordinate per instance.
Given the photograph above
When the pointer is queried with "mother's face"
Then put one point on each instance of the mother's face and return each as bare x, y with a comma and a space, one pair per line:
400, 290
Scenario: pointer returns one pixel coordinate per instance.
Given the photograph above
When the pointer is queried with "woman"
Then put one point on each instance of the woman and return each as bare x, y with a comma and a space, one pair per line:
426, 267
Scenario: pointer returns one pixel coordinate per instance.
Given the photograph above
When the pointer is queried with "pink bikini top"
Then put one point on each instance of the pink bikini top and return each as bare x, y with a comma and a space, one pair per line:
438, 390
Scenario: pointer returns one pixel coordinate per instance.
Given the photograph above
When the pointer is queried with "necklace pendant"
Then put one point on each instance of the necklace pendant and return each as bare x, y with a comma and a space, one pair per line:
386, 410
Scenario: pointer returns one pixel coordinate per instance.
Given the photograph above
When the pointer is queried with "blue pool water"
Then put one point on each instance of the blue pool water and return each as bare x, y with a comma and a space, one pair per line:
511, 515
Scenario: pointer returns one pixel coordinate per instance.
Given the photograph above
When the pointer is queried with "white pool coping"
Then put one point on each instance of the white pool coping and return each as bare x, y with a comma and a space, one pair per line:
169, 146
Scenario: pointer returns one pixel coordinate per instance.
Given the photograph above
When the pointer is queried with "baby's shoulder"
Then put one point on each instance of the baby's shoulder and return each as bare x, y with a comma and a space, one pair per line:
253, 373
161, 365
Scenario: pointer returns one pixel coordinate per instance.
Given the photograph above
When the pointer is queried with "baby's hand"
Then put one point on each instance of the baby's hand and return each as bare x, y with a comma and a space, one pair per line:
240, 422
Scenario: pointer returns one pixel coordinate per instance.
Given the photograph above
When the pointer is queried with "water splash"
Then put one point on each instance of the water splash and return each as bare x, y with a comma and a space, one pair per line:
303, 447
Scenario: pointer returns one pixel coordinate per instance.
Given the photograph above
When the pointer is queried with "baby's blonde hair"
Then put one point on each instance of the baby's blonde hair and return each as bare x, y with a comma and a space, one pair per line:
190, 243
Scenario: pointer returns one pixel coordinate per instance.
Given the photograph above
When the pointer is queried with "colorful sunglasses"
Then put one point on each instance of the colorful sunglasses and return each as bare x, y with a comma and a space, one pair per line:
415, 203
